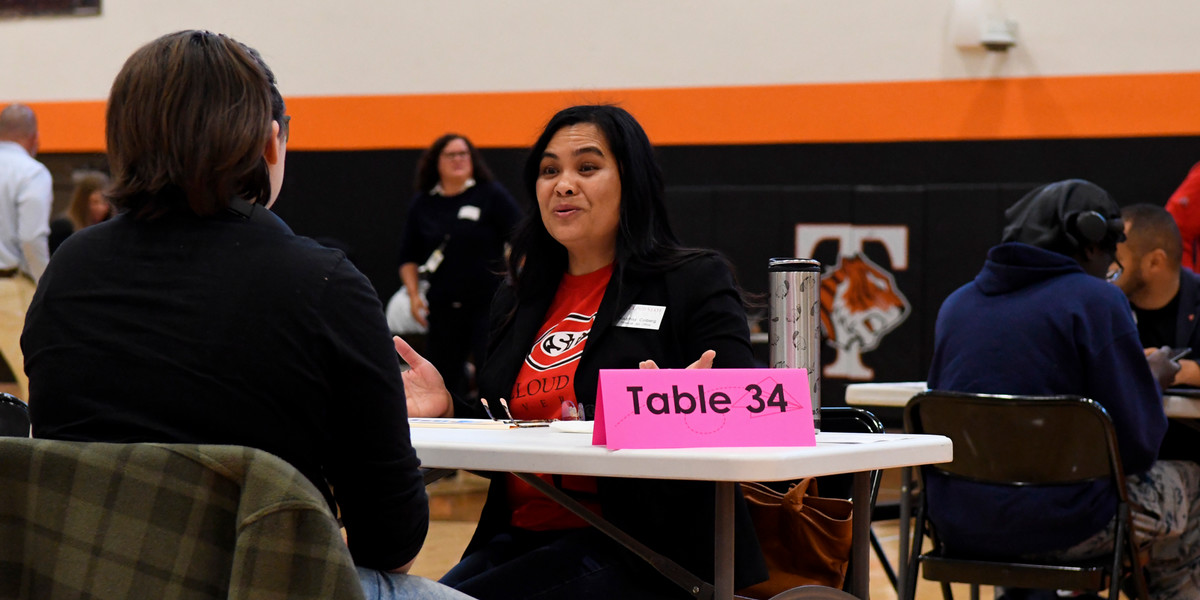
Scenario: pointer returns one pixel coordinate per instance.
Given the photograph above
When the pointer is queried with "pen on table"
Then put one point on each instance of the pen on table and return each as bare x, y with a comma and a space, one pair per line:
506, 411
488, 410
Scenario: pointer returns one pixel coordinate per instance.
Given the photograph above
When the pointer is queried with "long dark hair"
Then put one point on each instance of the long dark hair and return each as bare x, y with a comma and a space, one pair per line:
645, 242
88, 182
427, 167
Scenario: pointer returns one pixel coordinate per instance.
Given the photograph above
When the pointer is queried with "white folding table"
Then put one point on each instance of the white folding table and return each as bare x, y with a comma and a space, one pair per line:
526, 451
897, 394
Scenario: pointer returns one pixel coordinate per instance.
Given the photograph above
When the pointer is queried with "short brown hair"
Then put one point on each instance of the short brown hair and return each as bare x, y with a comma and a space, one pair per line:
1151, 227
188, 118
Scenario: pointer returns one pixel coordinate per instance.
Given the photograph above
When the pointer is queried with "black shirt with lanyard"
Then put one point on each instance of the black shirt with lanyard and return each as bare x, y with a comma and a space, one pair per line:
469, 231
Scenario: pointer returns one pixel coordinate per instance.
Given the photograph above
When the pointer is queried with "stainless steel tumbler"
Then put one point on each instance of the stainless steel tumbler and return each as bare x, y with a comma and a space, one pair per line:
794, 334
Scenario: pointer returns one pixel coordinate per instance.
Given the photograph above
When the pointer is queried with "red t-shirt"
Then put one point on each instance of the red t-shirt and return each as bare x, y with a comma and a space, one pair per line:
545, 390
1184, 206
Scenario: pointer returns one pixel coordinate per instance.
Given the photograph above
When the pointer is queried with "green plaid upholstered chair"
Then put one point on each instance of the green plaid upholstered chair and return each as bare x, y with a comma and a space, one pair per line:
163, 521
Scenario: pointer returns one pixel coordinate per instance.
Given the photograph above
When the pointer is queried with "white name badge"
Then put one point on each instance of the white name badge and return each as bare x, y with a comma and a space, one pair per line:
468, 212
643, 316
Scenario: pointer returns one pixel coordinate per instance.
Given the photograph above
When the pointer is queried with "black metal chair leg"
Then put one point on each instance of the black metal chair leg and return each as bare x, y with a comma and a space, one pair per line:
946, 593
913, 566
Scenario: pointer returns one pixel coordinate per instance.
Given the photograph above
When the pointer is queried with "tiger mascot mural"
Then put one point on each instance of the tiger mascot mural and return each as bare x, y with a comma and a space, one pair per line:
860, 304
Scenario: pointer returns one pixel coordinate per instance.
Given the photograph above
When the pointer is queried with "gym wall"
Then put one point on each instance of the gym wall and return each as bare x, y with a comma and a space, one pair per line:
775, 120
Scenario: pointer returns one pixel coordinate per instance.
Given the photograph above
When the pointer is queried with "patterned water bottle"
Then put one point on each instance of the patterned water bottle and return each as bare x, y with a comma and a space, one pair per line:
794, 332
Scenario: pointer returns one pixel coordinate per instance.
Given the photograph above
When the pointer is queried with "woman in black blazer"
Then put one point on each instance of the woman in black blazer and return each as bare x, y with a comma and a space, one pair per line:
596, 280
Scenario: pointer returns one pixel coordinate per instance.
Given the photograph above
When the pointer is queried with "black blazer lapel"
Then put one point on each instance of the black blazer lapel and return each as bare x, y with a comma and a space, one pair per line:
612, 308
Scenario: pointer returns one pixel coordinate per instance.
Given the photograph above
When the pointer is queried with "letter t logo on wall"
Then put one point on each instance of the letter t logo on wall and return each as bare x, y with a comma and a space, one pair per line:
860, 302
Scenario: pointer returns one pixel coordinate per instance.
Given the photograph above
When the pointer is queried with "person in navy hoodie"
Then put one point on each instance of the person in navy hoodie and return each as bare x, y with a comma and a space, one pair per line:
1039, 319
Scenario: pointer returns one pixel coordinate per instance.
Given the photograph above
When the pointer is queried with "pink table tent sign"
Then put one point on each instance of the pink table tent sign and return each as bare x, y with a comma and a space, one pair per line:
703, 408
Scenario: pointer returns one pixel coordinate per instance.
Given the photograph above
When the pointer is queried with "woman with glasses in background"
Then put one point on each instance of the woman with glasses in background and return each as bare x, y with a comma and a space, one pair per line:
458, 223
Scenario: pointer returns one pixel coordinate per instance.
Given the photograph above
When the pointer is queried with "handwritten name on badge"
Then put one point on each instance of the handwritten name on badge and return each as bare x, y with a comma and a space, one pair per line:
642, 316
703, 408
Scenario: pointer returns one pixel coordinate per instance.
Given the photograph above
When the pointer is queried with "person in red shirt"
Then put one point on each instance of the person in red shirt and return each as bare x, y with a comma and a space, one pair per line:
596, 280
1184, 206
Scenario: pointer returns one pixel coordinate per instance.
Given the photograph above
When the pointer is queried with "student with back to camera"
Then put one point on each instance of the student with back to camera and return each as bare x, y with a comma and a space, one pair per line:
197, 316
1039, 319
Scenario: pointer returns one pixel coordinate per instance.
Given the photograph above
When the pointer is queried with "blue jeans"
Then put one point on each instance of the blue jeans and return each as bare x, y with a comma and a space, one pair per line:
577, 564
379, 585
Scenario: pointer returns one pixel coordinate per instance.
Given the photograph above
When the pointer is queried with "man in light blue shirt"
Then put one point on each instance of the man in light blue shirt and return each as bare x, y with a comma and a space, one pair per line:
26, 195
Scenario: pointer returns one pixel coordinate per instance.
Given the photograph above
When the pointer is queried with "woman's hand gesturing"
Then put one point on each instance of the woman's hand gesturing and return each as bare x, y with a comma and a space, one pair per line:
423, 387
705, 362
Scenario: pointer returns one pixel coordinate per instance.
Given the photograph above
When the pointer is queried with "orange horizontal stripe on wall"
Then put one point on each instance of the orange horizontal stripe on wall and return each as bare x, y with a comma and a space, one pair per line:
1028, 108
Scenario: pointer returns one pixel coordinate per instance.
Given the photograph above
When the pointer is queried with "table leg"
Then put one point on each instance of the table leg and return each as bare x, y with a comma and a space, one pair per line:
906, 484
860, 555
432, 475
685, 579
723, 541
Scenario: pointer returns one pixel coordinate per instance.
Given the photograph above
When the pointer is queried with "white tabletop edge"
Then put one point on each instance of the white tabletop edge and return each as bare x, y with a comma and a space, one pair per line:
1181, 407
896, 394
892, 394
545, 451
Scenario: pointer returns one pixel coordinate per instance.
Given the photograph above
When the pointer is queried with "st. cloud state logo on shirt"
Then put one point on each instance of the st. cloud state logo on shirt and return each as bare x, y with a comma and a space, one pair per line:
561, 344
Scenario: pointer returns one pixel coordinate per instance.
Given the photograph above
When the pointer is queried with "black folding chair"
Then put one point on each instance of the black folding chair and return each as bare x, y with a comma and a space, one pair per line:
14, 416
1063, 440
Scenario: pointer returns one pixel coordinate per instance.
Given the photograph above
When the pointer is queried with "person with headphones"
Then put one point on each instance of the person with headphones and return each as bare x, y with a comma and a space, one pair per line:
1039, 319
